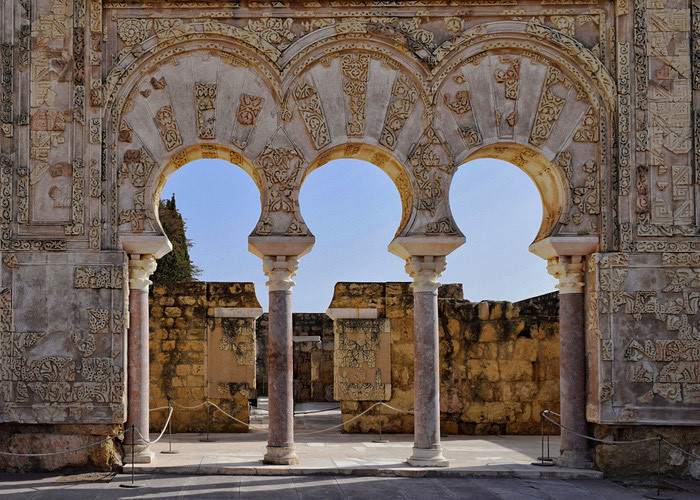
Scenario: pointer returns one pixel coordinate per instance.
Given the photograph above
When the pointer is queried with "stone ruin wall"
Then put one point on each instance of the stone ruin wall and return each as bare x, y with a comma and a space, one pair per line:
200, 349
499, 361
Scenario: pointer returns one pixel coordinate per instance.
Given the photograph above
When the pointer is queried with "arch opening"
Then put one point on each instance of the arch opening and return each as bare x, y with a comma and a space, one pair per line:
549, 179
353, 210
377, 157
499, 207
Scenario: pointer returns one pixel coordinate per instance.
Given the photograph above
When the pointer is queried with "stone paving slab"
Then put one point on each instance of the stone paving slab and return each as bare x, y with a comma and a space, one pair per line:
50, 487
337, 454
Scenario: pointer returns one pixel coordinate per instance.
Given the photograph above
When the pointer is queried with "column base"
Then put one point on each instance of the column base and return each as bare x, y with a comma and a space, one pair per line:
427, 457
280, 455
142, 454
574, 459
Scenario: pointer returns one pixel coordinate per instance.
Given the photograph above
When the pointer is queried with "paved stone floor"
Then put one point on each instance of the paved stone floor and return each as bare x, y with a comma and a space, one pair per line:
342, 466
52, 487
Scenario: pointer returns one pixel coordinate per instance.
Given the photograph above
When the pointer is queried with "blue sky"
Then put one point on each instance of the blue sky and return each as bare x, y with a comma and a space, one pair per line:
353, 209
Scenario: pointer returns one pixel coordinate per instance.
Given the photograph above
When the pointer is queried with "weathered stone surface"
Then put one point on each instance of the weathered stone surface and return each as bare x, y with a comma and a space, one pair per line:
203, 357
102, 101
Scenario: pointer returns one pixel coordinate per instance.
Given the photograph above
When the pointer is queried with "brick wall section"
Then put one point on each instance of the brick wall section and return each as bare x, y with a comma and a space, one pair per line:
179, 316
499, 361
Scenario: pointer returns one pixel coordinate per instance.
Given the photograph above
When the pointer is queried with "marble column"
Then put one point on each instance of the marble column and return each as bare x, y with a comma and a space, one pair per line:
427, 450
572, 359
280, 437
140, 268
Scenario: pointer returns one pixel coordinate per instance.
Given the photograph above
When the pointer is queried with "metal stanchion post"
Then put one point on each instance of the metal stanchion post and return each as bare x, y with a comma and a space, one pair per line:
132, 484
170, 450
658, 495
544, 461
208, 440
380, 440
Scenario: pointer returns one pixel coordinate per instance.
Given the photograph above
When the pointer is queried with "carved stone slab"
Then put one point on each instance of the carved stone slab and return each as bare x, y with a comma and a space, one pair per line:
643, 338
362, 359
62, 354
230, 356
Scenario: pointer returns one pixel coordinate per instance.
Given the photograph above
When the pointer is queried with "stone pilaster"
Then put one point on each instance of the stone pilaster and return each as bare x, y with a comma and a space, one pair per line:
572, 359
427, 450
140, 268
280, 439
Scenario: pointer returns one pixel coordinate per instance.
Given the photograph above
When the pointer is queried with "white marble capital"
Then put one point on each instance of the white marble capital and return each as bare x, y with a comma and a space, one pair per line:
280, 270
569, 272
140, 269
425, 271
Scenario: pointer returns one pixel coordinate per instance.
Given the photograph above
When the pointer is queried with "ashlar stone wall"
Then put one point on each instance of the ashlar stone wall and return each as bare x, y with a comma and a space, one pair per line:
202, 346
499, 361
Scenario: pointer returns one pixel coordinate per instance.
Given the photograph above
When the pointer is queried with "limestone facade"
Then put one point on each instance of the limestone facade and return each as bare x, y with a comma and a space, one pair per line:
102, 100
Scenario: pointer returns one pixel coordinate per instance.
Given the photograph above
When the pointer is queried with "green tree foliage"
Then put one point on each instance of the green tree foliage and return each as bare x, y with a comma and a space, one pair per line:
176, 265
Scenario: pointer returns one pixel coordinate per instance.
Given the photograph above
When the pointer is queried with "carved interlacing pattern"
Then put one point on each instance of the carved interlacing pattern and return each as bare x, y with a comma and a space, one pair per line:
311, 111
404, 95
356, 73
549, 107
205, 106
168, 129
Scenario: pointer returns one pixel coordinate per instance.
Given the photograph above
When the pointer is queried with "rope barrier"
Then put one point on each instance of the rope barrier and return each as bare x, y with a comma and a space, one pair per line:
189, 407
339, 425
604, 441
167, 421
234, 418
121, 433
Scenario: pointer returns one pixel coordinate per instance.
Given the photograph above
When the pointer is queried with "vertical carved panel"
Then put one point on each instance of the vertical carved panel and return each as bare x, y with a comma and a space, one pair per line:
168, 129
205, 106
404, 95
549, 107
362, 359
355, 75
311, 111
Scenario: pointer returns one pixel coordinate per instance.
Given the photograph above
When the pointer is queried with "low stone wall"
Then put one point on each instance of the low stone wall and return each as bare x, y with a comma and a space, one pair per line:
643, 458
43, 438
192, 348
499, 362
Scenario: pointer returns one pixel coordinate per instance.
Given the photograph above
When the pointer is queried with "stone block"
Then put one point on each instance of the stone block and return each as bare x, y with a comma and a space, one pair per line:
490, 332
496, 311
483, 310
526, 349
483, 369
173, 312
515, 370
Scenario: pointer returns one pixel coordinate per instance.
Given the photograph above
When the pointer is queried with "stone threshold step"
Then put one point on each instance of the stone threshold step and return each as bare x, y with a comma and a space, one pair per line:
494, 472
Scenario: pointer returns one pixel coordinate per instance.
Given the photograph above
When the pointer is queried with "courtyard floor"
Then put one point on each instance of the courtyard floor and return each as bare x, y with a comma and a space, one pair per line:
341, 466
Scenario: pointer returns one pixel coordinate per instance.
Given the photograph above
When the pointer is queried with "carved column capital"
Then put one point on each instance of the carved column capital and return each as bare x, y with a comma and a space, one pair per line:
280, 270
425, 270
140, 269
569, 272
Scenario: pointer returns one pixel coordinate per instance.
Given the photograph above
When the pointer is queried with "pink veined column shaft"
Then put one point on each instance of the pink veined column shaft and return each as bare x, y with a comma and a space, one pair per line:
138, 366
279, 371
426, 366
572, 367
425, 270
